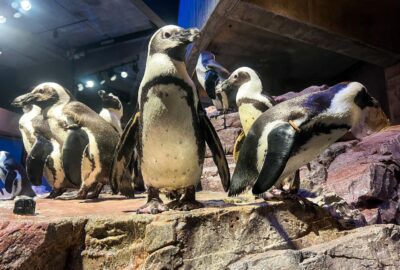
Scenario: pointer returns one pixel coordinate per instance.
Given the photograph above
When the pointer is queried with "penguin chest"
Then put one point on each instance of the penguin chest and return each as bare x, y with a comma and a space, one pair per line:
248, 115
170, 148
57, 121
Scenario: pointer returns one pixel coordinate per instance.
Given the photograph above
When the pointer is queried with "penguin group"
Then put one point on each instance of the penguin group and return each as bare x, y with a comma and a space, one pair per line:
165, 140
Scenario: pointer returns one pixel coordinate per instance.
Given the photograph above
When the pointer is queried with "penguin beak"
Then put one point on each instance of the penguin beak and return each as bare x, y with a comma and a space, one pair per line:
20, 101
212, 64
187, 36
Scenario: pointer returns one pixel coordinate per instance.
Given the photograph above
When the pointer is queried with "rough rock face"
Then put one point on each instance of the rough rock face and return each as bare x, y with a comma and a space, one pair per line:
366, 174
104, 234
374, 247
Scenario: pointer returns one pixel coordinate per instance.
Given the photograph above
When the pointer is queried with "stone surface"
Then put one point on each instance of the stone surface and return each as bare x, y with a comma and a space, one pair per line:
373, 247
108, 234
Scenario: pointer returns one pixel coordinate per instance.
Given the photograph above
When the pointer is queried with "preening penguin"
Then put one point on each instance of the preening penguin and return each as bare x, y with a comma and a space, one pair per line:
210, 74
87, 140
292, 133
14, 177
112, 110
170, 129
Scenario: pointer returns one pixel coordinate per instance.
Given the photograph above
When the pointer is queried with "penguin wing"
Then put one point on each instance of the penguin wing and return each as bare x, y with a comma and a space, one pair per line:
36, 160
217, 151
280, 145
123, 155
238, 143
211, 80
8, 182
72, 154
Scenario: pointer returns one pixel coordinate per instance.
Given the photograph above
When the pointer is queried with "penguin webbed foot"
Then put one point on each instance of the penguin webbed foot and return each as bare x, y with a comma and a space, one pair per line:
55, 193
154, 203
188, 201
154, 206
96, 192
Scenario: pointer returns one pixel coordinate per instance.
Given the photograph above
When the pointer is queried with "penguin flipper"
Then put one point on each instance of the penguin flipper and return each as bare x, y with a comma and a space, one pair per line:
211, 79
36, 160
217, 151
8, 183
238, 143
280, 145
123, 155
72, 154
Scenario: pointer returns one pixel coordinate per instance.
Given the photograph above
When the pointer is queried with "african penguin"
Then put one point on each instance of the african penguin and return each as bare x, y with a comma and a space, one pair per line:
87, 141
14, 177
112, 110
292, 133
250, 99
210, 74
170, 129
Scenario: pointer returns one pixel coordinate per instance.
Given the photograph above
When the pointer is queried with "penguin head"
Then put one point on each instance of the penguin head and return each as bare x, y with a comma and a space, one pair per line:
172, 40
352, 97
44, 95
4, 156
109, 100
243, 79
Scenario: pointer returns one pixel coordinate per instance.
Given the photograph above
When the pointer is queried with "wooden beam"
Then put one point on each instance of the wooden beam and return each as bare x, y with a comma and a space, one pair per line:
149, 13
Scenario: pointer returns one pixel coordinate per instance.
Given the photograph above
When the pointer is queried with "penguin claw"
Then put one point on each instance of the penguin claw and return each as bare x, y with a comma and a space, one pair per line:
185, 205
153, 207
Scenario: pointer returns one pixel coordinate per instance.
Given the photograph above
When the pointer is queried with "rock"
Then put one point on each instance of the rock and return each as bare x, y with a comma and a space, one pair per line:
366, 174
24, 205
373, 247
108, 234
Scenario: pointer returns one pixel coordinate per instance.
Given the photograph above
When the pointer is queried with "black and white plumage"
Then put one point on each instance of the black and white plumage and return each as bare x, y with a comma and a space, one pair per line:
170, 129
292, 133
210, 74
14, 177
112, 109
87, 141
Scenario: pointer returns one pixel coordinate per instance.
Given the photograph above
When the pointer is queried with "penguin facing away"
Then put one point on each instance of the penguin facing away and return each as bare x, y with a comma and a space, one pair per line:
210, 74
14, 177
112, 110
170, 129
292, 133
87, 140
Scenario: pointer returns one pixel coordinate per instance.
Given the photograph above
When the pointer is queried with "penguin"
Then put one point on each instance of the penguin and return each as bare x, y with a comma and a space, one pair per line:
170, 128
87, 141
210, 74
292, 133
14, 177
112, 110
26, 125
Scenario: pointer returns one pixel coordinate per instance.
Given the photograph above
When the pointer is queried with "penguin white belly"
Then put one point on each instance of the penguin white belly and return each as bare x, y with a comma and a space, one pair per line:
170, 158
91, 166
57, 170
55, 120
27, 130
111, 118
248, 115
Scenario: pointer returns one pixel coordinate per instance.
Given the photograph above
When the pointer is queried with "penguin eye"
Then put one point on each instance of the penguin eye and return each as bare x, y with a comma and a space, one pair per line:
167, 35
236, 76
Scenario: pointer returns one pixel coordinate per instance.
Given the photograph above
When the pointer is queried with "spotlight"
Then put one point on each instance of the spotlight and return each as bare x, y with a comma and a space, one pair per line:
80, 87
102, 82
124, 74
26, 5
89, 84
14, 5
113, 77
1, 52
17, 15
3, 19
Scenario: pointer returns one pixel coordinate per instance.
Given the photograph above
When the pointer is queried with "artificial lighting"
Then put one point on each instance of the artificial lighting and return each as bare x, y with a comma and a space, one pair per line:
3, 19
89, 84
17, 15
113, 77
102, 82
80, 87
26, 5
124, 74
14, 5
1, 52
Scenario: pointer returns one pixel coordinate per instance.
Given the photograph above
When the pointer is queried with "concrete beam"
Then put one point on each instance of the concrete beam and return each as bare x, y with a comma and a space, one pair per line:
149, 13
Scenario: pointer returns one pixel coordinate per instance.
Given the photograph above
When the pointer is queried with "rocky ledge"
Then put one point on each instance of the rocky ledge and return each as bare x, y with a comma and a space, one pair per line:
108, 234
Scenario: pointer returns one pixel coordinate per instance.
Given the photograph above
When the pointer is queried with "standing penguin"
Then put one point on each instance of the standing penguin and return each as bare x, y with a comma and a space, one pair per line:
87, 140
210, 74
170, 129
292, 133
14, 177
112, 110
